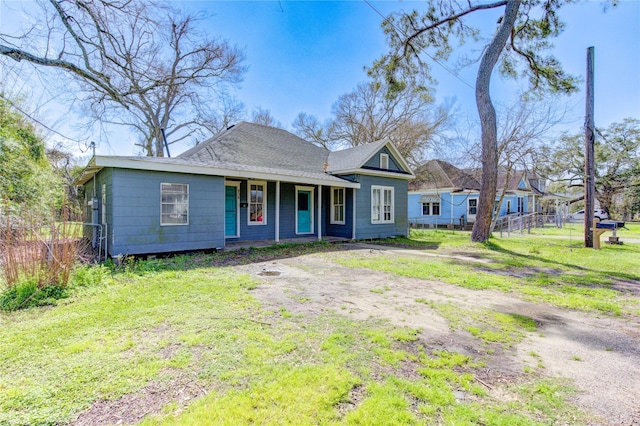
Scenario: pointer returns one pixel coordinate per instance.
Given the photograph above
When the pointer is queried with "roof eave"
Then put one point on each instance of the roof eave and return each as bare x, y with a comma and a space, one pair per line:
99, 162
370, 172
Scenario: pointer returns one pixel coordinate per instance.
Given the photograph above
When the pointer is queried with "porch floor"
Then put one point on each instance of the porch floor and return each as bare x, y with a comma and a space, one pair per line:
237, 245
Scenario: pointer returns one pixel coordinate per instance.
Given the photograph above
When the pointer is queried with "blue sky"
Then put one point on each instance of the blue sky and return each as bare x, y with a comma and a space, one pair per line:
303, 55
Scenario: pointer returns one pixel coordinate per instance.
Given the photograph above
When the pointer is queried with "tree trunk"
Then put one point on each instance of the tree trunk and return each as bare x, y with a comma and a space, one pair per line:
482, 226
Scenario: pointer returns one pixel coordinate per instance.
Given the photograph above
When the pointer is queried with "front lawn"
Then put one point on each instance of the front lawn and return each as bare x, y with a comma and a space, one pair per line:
183, 341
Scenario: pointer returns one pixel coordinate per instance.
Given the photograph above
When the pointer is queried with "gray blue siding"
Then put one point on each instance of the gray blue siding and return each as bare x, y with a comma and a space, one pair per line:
335, 230
374, 161
133, 212
367, 230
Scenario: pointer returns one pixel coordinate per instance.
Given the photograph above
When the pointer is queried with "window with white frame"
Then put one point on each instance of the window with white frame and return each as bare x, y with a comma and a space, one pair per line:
257, 195
174, 209
472, 206
384, 161
520, 204
431, 209
337, 206
382, 206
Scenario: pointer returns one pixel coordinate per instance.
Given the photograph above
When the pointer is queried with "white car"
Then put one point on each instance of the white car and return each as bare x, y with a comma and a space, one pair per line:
598, 214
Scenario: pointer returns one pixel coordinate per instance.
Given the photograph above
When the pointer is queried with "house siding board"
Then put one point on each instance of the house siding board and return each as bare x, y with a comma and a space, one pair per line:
374, 161
104, 178
335, 230
288, 211
444, 218
135, 225
364, 228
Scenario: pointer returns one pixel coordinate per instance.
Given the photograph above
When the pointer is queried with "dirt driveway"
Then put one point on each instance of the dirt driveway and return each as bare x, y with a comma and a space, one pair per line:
600, 355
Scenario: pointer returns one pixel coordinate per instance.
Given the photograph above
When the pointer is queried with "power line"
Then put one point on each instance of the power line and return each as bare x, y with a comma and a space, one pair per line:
400, 32
44, 125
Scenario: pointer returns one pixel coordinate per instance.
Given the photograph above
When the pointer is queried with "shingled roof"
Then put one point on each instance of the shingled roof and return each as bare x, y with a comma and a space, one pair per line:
256, 151
251, 144
352, 158
438, 174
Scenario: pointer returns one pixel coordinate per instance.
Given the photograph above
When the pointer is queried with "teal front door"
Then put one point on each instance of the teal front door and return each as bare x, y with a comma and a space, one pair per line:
304, 219
231, 211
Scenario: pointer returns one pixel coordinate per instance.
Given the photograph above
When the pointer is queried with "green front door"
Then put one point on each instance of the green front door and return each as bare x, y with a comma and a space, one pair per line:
231, 211
304, 212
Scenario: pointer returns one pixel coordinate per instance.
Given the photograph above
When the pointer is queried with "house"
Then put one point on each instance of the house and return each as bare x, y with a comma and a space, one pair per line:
247, 183
443, 194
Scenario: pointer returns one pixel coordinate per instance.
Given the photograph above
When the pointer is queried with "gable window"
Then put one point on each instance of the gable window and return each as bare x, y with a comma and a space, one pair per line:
257, 203
472, 206
382, 208
337, 206
384, 161
431, 209
174, 204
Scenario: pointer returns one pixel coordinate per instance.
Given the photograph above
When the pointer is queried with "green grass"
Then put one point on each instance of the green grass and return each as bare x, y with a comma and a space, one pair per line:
155, 322
576, 231
558, 274
505, 329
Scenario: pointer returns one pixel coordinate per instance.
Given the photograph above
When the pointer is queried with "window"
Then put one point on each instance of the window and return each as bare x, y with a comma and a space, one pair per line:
472, 206
174, 204
431, 209
382, 204
384, 161
257, 203
337, 206
508, 206
520, 204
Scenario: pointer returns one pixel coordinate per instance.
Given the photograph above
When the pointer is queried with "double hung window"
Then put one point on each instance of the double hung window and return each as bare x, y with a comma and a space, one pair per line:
382, 206
174, 203
257, 203
337, 206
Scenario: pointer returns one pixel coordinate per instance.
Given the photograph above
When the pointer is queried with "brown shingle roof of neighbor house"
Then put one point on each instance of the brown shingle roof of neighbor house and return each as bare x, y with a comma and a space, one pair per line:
509, 181
438, 174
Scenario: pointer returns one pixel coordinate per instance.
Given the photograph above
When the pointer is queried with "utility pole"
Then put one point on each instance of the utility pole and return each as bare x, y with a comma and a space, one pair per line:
589, 162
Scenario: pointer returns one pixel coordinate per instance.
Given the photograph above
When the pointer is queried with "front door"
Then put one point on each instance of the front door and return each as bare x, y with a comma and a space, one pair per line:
231, 211
304, 210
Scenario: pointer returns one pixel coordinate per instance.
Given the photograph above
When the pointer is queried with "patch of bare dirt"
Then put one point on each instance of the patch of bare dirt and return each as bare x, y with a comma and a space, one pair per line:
599, 355
131, 408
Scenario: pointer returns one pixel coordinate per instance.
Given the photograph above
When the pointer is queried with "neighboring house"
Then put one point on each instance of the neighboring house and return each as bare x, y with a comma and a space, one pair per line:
443, 194
248, 183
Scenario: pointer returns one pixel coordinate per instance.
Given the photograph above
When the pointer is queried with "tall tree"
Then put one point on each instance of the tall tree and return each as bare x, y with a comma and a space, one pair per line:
26, 178
263, 116
519, 37
138, 64
617, 161
409, 119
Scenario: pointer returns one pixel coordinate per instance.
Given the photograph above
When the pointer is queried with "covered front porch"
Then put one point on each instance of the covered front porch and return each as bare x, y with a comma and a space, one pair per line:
238, 245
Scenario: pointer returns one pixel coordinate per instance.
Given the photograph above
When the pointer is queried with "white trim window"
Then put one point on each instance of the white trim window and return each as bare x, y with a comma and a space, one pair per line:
431, 209
384, 161
174, 204
382, 206
520, 204
257, 198
472, 206
337, 206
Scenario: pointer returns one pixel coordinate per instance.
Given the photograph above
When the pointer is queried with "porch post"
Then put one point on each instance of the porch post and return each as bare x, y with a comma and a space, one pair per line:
319, 212
277, 238
353, 219
451, 208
